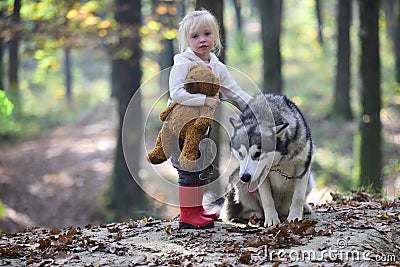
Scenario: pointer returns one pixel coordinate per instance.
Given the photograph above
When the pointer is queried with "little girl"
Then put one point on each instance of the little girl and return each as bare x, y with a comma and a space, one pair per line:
199, 44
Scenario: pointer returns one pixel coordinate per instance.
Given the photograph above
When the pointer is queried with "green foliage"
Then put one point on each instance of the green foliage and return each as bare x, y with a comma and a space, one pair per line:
54, 25
45, 105
160, 24
47, 28
6, 107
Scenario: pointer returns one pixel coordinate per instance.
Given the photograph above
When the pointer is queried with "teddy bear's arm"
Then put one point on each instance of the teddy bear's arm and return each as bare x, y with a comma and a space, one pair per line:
165, 113
205, 119
202, 124
206, 112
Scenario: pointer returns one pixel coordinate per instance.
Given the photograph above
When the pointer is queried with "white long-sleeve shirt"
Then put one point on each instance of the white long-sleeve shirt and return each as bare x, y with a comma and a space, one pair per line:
182, 64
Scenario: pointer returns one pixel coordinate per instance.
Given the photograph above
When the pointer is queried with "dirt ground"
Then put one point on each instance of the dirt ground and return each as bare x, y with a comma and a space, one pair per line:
353, 232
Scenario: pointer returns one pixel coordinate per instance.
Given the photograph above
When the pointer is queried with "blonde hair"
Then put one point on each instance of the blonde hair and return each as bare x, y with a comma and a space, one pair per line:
191, 22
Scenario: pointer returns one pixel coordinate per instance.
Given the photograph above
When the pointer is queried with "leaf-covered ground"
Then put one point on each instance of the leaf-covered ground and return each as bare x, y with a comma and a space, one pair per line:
352, 231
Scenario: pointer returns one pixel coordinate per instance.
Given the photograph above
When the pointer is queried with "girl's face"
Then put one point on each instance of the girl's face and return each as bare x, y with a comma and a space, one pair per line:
202, 41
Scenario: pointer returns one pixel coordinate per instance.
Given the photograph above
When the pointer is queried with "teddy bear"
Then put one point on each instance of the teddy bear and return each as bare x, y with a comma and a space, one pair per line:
189, 123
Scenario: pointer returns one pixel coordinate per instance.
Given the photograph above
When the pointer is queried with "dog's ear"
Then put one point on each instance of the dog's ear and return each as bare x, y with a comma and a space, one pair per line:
281, 129
236, 123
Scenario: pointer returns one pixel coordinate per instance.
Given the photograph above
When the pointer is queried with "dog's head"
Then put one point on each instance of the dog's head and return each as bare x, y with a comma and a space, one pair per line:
254, 145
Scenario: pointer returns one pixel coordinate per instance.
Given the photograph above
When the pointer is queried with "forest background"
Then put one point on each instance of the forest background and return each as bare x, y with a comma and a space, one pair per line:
66, 65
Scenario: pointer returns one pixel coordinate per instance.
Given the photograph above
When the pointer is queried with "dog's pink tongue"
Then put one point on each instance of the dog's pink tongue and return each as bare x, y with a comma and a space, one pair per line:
252, 187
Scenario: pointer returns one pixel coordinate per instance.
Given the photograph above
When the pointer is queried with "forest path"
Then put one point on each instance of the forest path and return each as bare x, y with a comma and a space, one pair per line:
57, 179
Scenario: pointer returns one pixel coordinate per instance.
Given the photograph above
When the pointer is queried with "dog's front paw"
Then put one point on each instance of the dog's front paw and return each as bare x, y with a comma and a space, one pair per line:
307, 209
271, 218
295, 214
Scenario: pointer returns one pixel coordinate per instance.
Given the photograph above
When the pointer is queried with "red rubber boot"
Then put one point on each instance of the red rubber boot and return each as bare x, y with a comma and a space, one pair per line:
190, 217
203, 212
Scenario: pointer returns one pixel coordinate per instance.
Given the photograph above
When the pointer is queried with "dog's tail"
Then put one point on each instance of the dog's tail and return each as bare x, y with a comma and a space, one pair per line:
212, 203
228, 206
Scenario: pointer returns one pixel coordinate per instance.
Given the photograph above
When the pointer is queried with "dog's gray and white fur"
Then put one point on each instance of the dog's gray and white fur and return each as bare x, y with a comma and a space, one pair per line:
273, 145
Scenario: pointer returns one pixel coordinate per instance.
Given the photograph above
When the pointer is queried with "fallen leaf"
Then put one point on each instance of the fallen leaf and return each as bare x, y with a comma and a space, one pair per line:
245, 258
55, 231
44, 243
383, 216
168, 229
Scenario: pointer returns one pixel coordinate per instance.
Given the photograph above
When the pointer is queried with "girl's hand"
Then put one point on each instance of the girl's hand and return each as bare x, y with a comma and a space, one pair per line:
212, 101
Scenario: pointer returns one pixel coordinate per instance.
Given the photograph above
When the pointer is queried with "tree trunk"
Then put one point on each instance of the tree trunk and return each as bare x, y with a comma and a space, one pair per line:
67, 73
271, 32
320, 23
14, 61
389, 7
342, 91
370, 128
238, 11
165, 61
239, 36
125, 197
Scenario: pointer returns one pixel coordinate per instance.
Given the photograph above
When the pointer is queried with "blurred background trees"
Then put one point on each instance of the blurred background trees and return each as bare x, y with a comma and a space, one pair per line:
338, 60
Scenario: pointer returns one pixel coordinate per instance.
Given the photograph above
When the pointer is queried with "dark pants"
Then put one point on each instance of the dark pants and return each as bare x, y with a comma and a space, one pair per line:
186, 178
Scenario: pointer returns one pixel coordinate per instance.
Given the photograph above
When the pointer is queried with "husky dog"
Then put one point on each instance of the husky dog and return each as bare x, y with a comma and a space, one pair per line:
273, 145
